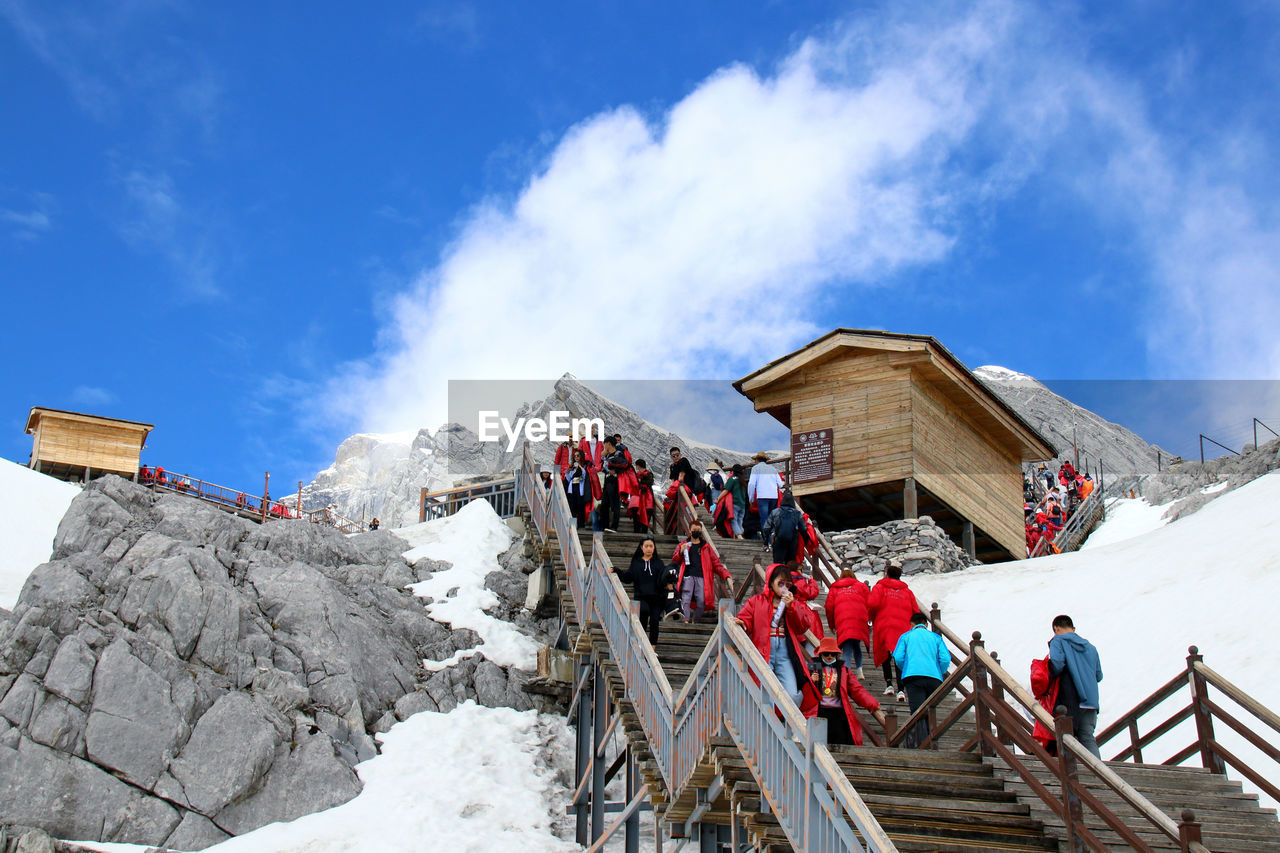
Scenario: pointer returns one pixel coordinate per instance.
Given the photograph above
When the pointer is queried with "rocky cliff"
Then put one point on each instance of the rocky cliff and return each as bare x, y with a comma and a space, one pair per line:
1122, 451
175, 675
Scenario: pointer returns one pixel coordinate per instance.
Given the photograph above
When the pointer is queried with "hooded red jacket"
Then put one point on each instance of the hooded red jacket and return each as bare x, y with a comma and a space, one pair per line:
891, 604
757, 617
847, 613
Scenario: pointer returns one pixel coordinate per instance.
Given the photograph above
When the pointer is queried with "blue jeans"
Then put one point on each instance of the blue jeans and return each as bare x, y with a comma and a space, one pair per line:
765, 506
780, 663
1084, 721
852, 651
738, 512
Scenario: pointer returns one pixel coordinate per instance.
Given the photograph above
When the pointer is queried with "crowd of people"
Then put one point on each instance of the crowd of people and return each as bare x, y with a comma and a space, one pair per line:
1050, 501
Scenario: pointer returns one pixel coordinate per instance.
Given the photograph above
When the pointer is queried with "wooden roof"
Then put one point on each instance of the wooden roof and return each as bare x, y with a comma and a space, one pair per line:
940, 365
62, 414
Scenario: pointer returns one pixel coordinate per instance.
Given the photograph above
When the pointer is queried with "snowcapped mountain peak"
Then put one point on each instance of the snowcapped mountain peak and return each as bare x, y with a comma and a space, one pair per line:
996, 373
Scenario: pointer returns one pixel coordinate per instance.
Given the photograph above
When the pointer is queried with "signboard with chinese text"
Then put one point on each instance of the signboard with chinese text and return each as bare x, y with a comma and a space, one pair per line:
811, 458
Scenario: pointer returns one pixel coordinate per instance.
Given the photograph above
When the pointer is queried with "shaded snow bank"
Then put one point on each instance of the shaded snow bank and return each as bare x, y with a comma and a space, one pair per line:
1208, 579
31, 505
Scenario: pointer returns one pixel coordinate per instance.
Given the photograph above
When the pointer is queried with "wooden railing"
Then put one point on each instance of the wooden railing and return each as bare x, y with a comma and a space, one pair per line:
731, 689
1001, 707
1196, 678
256, 507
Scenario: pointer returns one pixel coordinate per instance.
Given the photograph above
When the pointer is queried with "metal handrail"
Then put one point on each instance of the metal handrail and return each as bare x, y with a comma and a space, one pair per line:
730, 689
502, 495
1086, 513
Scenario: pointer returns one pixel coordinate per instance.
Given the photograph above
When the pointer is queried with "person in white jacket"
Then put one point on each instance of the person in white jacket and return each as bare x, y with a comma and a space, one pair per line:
764, 487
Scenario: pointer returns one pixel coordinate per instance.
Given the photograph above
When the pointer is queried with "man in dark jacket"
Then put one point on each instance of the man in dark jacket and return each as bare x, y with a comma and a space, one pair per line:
1075, 658
782, 530
615, 462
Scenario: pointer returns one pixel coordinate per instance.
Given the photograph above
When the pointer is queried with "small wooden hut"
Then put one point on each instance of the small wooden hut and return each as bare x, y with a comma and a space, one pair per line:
76, 446
887, 426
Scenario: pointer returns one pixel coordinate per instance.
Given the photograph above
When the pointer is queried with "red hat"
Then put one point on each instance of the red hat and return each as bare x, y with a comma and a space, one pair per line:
828, 646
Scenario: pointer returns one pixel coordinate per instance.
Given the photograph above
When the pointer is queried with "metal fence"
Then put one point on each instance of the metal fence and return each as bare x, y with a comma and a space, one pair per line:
503, 495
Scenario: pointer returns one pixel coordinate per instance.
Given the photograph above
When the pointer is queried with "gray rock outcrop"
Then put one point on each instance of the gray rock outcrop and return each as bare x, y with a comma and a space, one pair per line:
913, 545
176, 675
1191, 485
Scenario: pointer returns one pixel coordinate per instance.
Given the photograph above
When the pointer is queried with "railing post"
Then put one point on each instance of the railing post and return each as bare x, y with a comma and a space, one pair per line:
1188, 831
1073, 811
1204, 719
997, 692
980, 696
815, 733
935, 616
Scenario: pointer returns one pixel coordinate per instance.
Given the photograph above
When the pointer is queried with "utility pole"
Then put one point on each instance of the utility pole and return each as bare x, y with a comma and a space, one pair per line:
1074, 447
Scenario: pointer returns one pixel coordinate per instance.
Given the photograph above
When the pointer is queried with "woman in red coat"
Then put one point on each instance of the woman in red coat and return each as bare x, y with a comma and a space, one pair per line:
837, 691
847, 617
890, 605
778, 623
697, 566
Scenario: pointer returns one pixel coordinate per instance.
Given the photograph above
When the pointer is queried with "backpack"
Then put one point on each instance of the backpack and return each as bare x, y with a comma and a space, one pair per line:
717, 482
788, 523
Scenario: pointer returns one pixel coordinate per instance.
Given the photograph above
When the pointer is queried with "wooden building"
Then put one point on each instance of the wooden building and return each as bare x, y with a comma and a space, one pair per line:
76, 446
887, 426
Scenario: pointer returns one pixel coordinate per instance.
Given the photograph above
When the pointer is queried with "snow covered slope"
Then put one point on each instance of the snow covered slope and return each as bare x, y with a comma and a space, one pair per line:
1209, 579
31, 505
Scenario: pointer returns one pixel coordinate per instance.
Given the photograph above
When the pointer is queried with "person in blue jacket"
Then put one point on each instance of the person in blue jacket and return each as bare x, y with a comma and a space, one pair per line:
922, 658
1078, 693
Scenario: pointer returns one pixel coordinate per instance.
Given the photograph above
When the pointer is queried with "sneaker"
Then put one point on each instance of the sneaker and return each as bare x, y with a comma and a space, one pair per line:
901, 697
610, 530
888, 691
861, 677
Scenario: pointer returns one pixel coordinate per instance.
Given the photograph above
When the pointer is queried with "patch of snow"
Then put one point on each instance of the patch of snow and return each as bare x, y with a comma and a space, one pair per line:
474, 779
1215, 488
1208, 579
470, 540
1127, 518
31, 506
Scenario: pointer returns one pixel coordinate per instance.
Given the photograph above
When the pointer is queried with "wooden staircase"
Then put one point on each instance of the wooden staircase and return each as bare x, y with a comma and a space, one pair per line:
950, 798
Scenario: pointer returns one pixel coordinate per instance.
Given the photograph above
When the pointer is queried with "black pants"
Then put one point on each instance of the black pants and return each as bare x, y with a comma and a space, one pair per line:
918, 688
784, 550
651, 610
888, 669
578, 508
837, 726
611, 508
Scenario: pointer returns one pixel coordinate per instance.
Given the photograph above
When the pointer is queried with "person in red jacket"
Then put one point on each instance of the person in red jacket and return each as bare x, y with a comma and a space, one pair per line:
847, 617
891, 604
697, 564
807, 588
723, 515
778, 624
835, 688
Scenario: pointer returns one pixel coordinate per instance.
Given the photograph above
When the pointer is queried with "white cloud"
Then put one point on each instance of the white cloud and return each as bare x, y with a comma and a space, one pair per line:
629, 252
705, 240
90, 395
158, 221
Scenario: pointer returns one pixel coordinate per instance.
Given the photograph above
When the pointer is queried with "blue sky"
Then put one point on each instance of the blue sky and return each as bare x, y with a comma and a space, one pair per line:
264, 228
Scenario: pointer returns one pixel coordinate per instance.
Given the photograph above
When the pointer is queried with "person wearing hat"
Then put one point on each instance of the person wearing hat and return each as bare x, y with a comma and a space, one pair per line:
763, 488
836, 686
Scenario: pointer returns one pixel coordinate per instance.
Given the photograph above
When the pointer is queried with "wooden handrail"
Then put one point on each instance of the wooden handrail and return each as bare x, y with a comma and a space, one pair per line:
1244, 700
1122, 723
